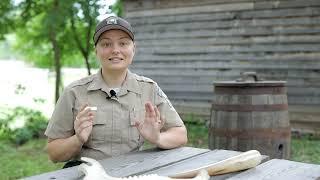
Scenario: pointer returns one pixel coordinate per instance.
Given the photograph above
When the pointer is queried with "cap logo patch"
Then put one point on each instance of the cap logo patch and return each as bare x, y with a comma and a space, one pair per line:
112, 21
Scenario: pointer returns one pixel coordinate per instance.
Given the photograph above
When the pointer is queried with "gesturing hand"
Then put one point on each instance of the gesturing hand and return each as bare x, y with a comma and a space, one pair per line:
83, 123
150, 127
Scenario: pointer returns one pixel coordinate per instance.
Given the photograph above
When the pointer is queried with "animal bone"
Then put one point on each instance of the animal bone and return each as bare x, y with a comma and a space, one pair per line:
92, 108
245, 160
94, 171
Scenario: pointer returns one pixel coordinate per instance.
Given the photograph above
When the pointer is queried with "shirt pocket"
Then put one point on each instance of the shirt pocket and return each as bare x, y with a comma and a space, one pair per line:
136, 140
100, 125
136, 114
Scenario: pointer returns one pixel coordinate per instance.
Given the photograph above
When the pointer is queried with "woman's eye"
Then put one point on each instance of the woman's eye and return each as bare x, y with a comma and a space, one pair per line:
107, 45
124, 43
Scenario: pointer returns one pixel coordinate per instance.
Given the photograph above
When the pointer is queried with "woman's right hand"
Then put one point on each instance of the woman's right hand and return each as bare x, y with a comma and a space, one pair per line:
83, 124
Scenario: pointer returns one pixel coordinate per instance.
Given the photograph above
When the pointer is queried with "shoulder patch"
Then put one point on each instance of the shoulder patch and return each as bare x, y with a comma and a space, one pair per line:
82, 81
144, 79
161, 93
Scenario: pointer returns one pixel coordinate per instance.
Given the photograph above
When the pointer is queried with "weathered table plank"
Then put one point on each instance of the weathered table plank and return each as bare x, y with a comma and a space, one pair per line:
198, 161
68, 173
129, 164
139, 163
169, 162
194, 162
281, 169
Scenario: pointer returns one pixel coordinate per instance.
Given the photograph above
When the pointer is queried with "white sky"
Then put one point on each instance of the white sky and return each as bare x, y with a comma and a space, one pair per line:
103, 11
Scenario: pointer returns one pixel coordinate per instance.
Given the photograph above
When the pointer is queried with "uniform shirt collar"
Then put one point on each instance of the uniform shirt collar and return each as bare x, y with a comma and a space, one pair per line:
130, 83
98, 82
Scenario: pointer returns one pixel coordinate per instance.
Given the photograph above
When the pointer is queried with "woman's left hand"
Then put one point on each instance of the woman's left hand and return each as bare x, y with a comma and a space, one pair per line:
152, 124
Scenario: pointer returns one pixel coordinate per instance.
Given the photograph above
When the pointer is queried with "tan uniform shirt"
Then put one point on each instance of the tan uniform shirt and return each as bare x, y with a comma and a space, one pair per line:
113, 131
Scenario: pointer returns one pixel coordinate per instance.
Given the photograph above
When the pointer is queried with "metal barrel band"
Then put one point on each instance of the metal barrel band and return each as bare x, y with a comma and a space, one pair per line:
250, 90
249, 108
261, 133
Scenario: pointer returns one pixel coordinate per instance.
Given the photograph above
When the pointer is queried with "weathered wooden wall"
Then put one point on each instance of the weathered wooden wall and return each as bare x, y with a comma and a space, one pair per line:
185, 45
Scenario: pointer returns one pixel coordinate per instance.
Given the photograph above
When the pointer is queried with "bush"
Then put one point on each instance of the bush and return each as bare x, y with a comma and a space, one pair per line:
34, 125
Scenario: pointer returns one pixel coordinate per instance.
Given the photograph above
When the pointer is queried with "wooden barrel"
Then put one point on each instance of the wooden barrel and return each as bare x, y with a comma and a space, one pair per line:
249, 115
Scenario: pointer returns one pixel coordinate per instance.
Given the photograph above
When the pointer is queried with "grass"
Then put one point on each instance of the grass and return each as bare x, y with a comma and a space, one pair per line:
305, 149
26, 160
31, 159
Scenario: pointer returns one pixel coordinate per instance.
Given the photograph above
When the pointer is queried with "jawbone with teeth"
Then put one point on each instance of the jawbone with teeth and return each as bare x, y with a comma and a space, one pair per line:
92, 169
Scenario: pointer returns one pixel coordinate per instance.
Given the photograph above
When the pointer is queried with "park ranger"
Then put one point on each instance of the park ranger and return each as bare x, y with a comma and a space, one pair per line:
114, 111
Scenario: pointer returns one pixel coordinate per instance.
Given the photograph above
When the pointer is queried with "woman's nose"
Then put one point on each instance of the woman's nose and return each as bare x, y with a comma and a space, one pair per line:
115, 49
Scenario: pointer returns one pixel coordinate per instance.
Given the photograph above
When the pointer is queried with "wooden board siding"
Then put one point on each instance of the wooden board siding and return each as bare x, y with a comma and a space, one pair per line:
185, 45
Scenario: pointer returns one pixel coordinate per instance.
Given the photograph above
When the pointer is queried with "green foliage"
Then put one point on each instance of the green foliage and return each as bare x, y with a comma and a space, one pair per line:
73, 21
35, 124
192, 118
306, 148
4, 124
32, 21
53, 33
34, 43
197, 134
6, 49
26, 160
197, 131
21, 136
6, 19
117, 8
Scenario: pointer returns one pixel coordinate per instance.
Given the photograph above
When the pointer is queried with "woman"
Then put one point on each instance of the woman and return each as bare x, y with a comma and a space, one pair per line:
114, 111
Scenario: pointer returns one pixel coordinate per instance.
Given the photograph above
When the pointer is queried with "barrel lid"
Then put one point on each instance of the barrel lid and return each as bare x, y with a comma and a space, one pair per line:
249, 79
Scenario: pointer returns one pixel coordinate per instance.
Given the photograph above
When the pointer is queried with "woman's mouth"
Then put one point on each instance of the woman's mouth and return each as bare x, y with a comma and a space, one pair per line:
115, 60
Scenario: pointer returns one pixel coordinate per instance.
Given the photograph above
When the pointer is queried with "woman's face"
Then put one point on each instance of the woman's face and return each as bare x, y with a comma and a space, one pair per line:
115, 50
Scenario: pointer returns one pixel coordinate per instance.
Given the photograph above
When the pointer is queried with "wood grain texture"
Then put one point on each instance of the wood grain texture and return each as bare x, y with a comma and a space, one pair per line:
129, 164
193, 9
139, 163
256, 120
281, 169
178, 160
202, 160
187, 45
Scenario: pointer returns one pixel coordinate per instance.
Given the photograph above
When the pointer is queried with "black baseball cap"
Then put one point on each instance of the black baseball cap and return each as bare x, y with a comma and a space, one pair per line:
112, 22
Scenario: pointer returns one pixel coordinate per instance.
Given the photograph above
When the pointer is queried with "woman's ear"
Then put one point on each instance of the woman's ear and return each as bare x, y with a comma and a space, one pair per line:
134, 48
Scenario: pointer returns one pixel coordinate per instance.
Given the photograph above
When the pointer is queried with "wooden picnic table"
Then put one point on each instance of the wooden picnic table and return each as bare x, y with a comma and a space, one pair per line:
169, 162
